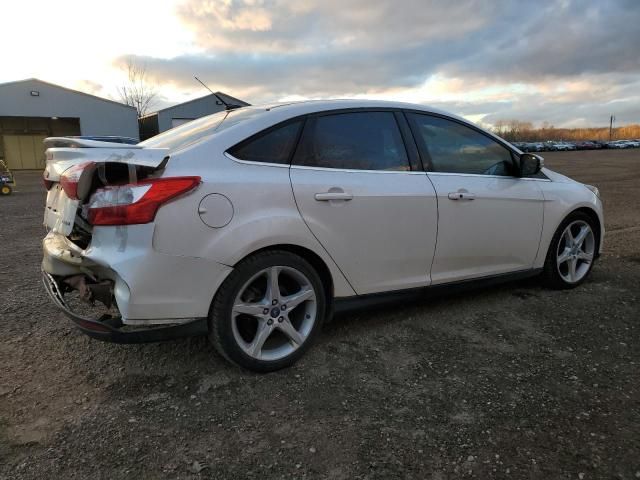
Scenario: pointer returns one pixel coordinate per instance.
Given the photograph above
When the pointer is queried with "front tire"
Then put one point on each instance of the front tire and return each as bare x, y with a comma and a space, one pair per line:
268, 311
571, 253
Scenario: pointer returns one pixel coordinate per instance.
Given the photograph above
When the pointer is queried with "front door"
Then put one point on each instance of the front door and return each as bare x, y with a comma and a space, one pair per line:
355, 189
489, 219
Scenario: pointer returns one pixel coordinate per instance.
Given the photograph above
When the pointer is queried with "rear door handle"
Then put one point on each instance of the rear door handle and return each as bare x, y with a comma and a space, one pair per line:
461, 196
328, 196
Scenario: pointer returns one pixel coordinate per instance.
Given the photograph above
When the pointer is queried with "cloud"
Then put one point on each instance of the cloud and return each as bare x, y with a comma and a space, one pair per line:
567, 60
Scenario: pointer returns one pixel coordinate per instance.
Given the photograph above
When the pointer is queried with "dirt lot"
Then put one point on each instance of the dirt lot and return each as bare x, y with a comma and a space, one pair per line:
510, 382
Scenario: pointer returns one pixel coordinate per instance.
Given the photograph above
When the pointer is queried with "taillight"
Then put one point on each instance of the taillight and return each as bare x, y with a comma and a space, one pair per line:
71, 177
47, 183
136, 203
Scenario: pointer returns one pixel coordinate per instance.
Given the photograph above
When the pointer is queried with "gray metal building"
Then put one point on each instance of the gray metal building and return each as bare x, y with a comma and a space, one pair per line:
31, 110
171, 117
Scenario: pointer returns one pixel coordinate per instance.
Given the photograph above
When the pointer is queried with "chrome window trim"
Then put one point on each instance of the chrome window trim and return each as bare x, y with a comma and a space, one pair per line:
488, 176
254, 162
357, 170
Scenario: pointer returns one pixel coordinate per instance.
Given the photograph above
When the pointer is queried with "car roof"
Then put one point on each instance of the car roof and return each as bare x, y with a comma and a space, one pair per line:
315, 106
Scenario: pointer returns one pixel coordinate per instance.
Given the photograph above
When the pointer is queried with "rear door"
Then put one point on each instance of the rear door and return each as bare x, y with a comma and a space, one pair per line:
490, 220
355, 187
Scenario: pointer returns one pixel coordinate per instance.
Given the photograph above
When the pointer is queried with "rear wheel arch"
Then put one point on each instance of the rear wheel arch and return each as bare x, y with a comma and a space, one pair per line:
228, 332
310, 256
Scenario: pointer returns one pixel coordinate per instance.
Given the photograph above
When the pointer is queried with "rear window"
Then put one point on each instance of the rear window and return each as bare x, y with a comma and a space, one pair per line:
201, 128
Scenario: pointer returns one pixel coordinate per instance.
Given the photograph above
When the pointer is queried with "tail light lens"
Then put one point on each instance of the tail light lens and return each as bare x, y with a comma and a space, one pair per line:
136, 203
71, 177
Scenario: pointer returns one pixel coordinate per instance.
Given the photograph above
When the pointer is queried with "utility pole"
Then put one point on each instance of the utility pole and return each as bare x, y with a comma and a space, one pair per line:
611, 120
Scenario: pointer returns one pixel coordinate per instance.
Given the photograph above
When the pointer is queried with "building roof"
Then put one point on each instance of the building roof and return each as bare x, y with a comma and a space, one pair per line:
225, 96
37, 80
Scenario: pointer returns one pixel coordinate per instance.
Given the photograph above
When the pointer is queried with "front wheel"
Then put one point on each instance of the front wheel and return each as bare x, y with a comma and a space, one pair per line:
5, 190
267, 312
571, 253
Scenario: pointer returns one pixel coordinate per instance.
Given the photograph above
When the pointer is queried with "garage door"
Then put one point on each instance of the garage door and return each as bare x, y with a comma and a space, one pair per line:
176, 122
24, 151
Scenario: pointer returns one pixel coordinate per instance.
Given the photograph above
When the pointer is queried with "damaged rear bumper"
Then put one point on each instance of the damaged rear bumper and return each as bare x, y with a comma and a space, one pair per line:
154, 296
149, 287
111, 329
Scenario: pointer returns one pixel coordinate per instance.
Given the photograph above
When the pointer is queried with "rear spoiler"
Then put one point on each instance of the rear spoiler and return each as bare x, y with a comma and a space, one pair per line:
63, 153
70, 142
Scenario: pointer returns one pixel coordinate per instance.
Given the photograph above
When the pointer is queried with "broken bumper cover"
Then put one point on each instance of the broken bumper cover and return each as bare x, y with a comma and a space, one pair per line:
111, 329
149, 288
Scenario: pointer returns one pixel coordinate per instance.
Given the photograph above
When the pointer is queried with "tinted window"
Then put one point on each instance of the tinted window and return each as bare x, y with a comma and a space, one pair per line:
456, 148
362, 141
273, 146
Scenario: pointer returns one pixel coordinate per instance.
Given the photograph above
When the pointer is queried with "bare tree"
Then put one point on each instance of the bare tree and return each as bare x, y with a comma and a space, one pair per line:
138, 92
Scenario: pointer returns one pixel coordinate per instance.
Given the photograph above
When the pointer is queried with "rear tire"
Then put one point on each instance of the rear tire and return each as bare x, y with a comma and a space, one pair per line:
5, 190
571, 253
268, 311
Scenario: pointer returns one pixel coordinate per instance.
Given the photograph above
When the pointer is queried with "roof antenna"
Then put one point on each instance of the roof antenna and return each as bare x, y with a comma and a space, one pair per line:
227, 106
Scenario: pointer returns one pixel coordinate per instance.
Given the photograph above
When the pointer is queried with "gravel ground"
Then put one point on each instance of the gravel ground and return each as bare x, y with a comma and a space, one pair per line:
513, 381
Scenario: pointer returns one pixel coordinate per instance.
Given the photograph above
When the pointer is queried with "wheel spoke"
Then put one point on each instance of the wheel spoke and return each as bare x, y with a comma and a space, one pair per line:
584, 231
573, 263
564, 256
291, 332
273, 287
297, 298
253, 309
569, 236
587, 257
262, 334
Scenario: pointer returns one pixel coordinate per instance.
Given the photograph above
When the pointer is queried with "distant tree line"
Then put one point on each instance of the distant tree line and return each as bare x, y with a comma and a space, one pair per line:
518, 131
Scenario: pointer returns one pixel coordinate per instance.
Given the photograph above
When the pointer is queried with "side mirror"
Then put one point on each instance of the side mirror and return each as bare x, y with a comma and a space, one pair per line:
530, 164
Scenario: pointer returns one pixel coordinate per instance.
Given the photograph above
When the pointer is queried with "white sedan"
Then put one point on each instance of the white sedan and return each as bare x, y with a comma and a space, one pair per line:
254, 225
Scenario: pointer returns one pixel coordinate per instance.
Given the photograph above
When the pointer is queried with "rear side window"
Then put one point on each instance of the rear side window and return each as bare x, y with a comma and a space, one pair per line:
273, 146
456, 148
357, 140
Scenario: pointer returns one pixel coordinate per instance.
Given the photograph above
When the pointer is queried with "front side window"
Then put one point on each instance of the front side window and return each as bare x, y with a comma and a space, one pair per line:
354, 140
272, 146
456, 148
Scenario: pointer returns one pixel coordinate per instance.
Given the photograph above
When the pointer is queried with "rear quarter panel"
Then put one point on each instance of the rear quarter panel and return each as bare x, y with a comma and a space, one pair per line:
264, 212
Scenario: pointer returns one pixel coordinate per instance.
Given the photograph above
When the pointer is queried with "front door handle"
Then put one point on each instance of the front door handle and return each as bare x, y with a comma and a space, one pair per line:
328, 196
461, 196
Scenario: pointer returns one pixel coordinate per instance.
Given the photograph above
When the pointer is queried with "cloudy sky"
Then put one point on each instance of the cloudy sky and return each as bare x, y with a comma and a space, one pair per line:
567, 62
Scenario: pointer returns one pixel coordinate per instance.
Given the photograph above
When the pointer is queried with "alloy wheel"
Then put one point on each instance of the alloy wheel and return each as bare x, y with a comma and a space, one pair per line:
273, 313
576, 250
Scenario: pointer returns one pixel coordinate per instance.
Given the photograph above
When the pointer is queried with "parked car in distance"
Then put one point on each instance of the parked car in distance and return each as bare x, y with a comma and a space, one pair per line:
618, 144
253, 225
563, 146
587, 146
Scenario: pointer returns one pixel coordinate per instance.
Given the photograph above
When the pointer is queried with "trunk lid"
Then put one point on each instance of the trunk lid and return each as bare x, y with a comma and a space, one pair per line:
74, 161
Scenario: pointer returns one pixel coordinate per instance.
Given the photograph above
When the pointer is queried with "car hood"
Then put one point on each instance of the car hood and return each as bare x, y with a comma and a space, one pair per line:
557, 177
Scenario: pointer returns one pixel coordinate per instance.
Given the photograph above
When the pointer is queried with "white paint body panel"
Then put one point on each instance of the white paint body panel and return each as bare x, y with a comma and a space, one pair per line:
496, 232
386, 238
383, 239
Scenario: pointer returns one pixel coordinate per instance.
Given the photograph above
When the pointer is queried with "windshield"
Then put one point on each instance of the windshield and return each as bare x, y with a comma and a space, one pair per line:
201, 128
